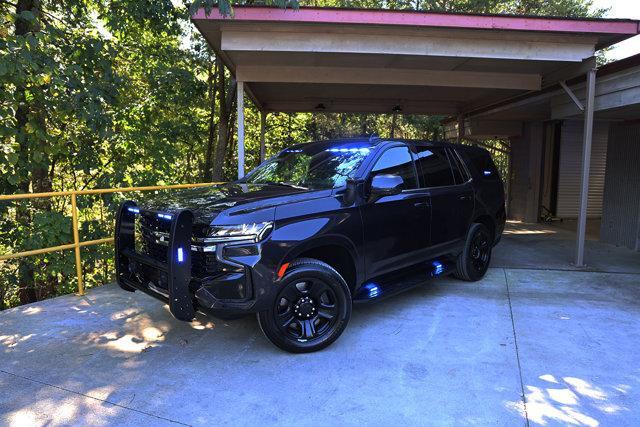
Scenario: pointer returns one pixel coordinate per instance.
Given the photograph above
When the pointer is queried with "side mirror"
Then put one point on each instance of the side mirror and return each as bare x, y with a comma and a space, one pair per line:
351, 192
386, 185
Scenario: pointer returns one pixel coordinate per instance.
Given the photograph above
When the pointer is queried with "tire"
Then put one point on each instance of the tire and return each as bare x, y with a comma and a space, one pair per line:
311, 309
473, 262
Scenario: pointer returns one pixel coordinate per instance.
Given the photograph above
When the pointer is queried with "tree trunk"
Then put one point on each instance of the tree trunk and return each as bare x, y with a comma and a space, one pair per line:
436, 133
226, 102
314, 126
211, 140
289, 129
363, 124
27, 290
394, 118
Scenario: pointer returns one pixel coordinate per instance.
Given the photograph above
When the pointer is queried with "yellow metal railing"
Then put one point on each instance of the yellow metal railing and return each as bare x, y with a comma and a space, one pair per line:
77, 244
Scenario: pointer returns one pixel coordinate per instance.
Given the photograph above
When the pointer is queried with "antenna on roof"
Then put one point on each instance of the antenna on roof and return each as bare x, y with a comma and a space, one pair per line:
373, 136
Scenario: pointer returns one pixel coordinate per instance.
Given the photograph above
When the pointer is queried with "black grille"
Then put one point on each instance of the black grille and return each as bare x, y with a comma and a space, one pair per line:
147, 226
203, 264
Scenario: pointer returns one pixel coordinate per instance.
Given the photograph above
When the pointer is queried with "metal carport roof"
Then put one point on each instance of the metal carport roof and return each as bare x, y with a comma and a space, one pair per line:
346, 60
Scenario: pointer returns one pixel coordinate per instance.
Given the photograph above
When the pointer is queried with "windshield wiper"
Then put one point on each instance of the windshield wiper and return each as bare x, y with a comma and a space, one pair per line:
285, 184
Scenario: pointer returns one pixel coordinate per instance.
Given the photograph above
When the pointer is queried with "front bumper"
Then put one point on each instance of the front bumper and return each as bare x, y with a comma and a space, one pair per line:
184, 277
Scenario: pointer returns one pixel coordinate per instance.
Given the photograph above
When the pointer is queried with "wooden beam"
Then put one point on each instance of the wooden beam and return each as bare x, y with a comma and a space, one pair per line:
388, 44
253, 97
612, 91
568, 72
387, 76
364, 105
603, 102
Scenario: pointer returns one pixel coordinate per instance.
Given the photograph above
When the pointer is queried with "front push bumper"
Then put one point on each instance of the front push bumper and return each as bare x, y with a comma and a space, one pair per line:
171, 281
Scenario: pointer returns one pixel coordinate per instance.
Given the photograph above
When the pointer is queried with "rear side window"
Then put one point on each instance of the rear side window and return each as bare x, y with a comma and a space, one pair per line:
433, 167
489, 170
484, 164
459, 171
397, 161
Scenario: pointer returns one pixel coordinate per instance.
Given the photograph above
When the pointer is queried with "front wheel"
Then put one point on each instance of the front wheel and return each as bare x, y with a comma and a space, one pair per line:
473, 262
311, 309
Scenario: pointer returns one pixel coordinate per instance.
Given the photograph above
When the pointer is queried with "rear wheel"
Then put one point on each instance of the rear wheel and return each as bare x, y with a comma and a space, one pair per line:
311, 309
473, 262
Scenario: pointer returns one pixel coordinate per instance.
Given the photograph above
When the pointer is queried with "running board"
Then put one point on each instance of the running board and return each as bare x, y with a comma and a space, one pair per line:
396, 283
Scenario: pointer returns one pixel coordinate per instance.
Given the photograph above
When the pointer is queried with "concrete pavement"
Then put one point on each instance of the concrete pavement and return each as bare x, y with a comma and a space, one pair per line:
552, 246
447, 353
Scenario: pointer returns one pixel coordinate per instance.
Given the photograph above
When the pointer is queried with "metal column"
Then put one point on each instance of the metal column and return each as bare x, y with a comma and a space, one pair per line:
240, 105
263, 126
586, 163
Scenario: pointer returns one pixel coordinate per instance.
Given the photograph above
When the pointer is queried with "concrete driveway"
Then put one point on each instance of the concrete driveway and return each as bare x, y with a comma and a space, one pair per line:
536, 346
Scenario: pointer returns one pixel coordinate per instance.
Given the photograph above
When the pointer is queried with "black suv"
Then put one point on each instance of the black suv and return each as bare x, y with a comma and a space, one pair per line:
312, 230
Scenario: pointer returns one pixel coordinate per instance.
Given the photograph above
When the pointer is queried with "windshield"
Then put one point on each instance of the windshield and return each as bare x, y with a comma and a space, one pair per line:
315, 166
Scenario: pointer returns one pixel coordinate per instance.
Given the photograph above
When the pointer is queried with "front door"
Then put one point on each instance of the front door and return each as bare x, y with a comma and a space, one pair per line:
396, 227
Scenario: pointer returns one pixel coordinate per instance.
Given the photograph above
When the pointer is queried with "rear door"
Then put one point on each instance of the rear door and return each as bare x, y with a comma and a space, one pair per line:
465, 192
395, 227
451, 196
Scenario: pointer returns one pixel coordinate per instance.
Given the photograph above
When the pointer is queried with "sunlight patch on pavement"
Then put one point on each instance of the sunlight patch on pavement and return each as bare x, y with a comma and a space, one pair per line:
13, 340
565, 405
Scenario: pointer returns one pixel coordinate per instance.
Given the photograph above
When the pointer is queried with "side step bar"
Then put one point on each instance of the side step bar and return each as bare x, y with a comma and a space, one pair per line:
177, 267
398, 282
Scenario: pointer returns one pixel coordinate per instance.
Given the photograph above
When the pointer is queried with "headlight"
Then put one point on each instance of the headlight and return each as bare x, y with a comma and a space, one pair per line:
255, 231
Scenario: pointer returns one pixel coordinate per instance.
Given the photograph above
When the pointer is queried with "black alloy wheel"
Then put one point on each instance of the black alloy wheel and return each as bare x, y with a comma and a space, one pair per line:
306, 309
310, 310
473, 262
480, 250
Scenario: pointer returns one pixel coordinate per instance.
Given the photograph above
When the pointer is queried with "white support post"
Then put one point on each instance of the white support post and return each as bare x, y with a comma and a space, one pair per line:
240, 115
586, 162
263, 126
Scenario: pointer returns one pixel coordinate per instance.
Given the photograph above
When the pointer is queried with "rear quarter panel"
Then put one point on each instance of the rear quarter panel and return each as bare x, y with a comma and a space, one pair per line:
488, 184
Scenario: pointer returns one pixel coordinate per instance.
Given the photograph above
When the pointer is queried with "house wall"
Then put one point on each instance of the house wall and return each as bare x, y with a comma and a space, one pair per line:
621, 205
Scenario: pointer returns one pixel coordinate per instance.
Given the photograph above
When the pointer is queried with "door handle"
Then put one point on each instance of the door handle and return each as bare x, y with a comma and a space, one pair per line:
464, 197
421, 204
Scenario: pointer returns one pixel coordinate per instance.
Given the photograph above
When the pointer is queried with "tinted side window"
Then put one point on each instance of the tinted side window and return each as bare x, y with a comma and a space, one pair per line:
459, 171
482, 161
397, 161
433, 167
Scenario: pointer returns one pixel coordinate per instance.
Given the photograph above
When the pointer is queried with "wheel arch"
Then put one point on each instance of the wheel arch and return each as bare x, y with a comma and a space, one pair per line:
335, 251
488, 222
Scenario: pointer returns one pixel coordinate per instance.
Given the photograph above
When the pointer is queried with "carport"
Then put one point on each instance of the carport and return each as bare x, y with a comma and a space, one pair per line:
380, 61
545, 132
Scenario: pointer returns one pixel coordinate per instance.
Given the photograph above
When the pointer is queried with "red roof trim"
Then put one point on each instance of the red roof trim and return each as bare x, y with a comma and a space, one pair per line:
426, 19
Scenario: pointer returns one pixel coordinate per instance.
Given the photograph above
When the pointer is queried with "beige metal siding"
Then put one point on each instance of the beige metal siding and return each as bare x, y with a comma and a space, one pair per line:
570, 169
621, 208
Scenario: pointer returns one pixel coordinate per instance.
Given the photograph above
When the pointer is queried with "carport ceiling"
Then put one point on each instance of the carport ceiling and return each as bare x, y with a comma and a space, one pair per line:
342, 60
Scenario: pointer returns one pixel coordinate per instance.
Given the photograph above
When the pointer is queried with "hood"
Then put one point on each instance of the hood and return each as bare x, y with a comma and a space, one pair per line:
207, 202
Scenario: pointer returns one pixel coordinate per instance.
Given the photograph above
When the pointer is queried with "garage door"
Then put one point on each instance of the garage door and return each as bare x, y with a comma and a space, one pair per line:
570, 166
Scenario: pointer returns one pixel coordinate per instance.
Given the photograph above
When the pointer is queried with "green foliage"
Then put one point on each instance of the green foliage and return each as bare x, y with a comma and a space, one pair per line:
109, 93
